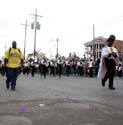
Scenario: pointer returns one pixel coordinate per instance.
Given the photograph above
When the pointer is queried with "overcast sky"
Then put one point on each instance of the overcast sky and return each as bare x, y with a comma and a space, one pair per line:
69, 20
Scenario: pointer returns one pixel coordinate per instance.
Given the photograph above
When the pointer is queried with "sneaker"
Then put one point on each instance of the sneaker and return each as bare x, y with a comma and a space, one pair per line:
13, 89
112, 88
103, 83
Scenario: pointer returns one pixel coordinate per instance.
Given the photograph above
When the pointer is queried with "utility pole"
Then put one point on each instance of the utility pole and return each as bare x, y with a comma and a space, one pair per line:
93, 42
57, 40
35, 26
5, 47
24, 51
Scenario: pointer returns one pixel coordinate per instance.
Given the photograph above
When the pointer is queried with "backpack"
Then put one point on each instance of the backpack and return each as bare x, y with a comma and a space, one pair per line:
10, 50
9, 54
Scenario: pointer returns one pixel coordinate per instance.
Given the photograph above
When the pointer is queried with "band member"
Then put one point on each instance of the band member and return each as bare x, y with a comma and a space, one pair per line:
44, 67
41, 65
52, 68
90, 65
60, 63
32, 68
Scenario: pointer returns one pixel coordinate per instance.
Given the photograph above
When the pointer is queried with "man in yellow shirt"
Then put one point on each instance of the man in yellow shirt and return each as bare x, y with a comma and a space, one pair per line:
13, 61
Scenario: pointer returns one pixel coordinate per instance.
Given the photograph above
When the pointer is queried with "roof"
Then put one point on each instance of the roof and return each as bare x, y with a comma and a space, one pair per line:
100, 40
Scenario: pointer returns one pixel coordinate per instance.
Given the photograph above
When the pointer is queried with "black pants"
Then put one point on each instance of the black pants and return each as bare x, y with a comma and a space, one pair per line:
68, 70
110, 66
44, 70
59, 70
12, 74
111, 79
90, 72
32, 70
52, 70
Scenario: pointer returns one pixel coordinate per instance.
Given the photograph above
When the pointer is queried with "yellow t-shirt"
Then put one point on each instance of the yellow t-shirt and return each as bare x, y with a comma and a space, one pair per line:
14, 56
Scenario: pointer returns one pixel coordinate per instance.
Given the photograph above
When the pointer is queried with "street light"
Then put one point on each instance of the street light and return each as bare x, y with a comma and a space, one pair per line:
93, 47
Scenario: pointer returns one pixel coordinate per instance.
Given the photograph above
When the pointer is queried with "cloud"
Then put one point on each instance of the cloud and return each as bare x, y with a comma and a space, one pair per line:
69, 20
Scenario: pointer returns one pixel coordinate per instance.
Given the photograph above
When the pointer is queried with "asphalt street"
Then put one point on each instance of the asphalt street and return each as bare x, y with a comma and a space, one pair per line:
66, 101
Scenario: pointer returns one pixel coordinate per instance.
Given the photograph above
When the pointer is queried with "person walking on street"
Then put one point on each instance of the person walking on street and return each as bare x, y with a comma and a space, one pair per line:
108, 63
13, 61
44, 67
90, 65
60, 66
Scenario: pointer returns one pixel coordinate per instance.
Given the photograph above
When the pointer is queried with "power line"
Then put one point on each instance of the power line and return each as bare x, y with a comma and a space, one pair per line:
110, 21
103, 23
114, 18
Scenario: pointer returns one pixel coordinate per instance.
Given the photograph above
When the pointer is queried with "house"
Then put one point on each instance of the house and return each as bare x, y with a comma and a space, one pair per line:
93, 48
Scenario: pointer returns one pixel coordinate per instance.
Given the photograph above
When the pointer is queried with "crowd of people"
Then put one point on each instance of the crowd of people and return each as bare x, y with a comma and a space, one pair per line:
14, 64
66, 67
71, 66
54, 67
